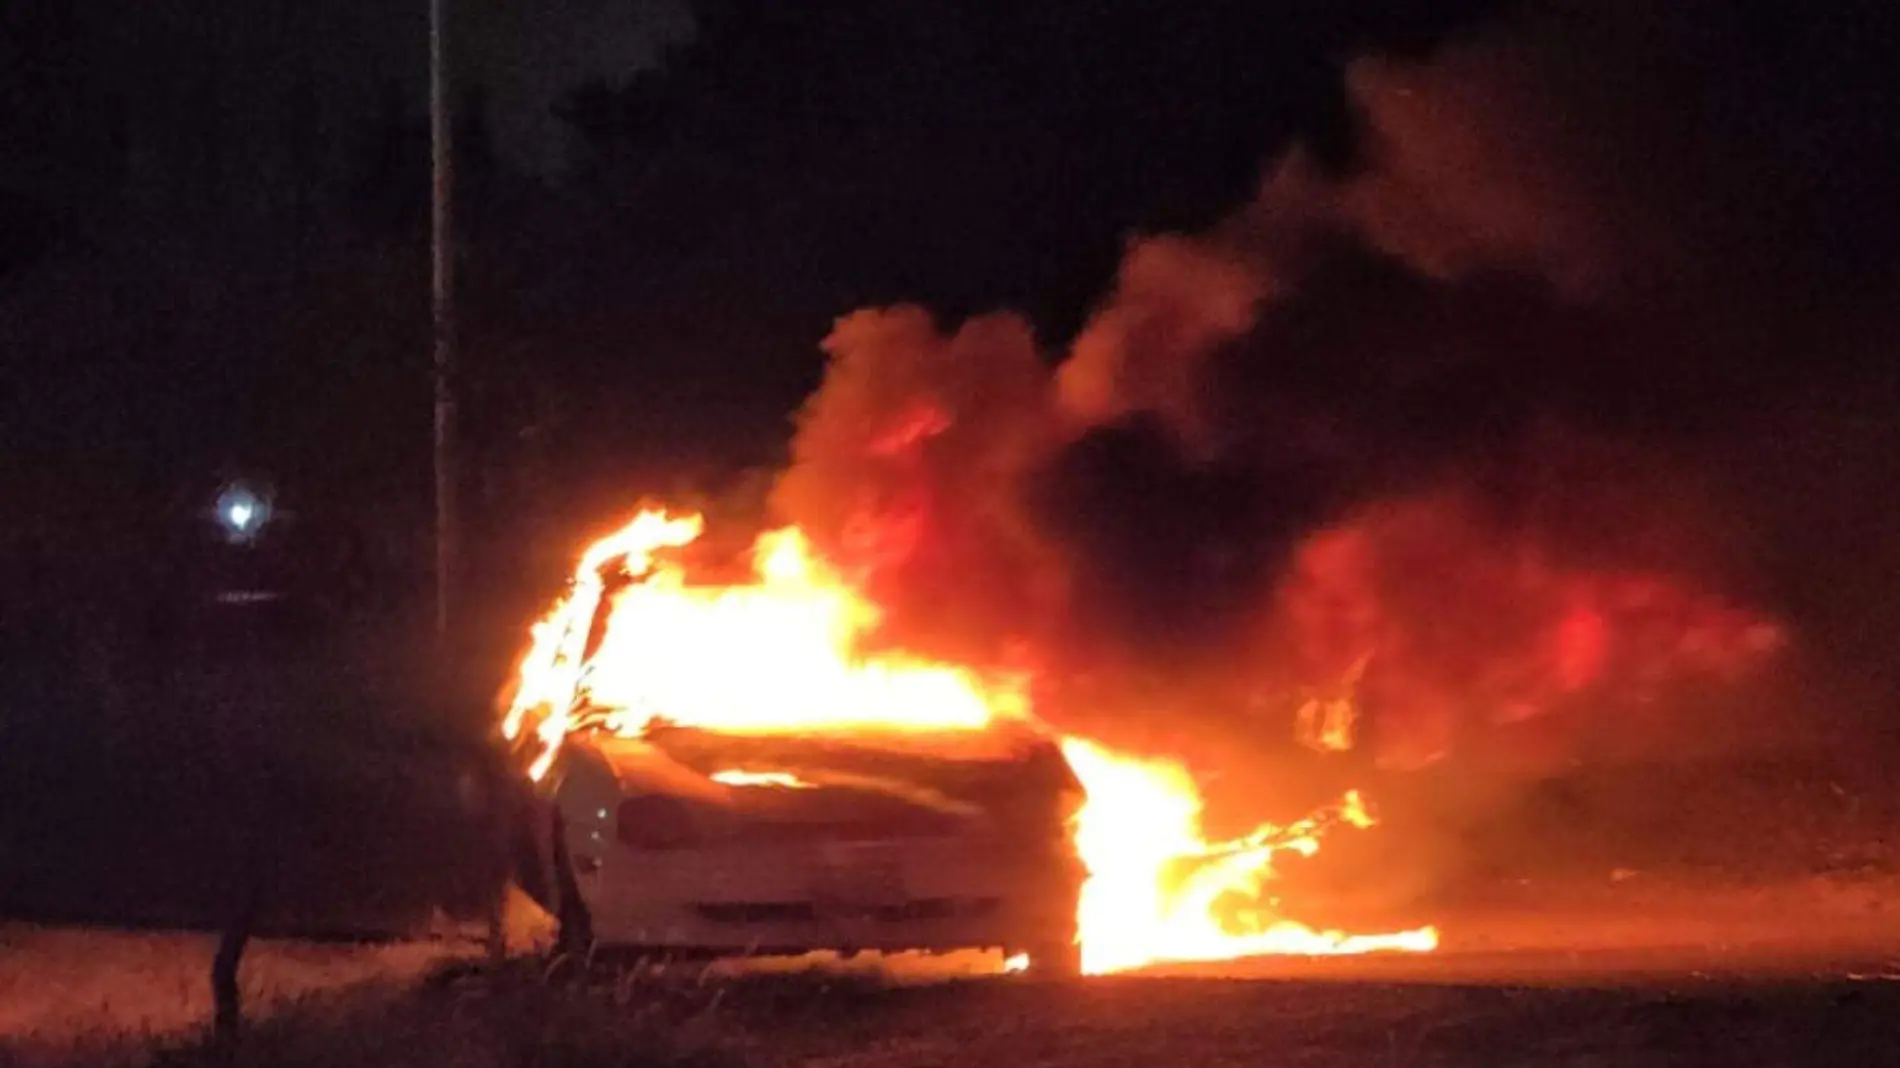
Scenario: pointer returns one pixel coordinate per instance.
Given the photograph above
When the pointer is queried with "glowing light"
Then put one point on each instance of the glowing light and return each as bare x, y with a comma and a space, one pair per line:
783, 780
242, 511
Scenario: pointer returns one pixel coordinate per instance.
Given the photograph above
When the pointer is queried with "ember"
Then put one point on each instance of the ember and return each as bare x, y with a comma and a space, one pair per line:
784, 654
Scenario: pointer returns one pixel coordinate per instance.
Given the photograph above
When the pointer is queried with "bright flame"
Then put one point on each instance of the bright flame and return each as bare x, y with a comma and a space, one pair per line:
777, 655
784, 780
1327, 721
550, 673
1326, 725
1156, 887
781, 654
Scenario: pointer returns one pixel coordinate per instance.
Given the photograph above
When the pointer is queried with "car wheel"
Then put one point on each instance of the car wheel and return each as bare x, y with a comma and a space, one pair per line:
576, 937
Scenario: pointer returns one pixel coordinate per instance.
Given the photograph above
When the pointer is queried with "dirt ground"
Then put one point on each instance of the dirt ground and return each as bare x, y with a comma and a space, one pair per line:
810, 1020
1613, 975
1145, 1021
66, 987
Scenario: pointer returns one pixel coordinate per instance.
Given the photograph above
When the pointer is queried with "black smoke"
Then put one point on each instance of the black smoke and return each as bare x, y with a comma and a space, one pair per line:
1583, 282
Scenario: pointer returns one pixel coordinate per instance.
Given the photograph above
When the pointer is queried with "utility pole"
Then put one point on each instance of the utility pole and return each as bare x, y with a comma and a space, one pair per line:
442, 262
442, 259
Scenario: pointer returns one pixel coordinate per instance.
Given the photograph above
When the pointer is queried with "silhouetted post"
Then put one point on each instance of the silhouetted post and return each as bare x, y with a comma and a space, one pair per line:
251, 856
235, 935
499, 809
231, 690
442, 258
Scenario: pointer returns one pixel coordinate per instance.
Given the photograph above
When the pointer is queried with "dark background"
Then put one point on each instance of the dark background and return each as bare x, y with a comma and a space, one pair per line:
213, 262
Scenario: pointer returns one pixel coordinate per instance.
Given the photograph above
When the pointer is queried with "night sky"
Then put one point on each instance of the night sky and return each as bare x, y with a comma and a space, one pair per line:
1666, 229
1188, 356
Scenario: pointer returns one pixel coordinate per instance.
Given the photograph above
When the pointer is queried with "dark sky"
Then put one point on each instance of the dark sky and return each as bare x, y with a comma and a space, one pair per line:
191, 280
796, 161
1456, 322
1615, 278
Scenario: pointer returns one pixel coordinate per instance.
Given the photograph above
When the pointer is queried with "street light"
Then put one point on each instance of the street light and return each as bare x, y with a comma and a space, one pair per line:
243, 511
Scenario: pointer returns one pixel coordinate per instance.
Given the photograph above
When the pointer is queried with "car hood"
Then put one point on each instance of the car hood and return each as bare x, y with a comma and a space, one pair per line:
807, 783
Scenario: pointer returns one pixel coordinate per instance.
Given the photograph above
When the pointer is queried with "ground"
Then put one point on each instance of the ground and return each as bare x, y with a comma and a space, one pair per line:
1634, 975
523, 1018
1221, 1022
65, 991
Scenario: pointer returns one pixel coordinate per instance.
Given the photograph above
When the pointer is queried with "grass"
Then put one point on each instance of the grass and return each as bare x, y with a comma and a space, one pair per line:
516, 1019
67, 992
533, 1015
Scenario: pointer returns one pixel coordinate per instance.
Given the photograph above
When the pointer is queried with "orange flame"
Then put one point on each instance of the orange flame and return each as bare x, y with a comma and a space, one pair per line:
776, 656
784, 653
1156, 886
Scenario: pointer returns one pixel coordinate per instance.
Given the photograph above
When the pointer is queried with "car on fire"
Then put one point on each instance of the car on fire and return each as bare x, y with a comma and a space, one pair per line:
679, 840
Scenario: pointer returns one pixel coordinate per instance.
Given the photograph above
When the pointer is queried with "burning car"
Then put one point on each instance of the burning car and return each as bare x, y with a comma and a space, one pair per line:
771, 800
739, 766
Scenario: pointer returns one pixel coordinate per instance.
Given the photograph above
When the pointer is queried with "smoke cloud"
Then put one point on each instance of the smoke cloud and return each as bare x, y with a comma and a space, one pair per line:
1450, 437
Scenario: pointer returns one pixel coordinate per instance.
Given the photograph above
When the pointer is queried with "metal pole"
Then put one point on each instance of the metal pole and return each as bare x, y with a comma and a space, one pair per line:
443, 306
442, 261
